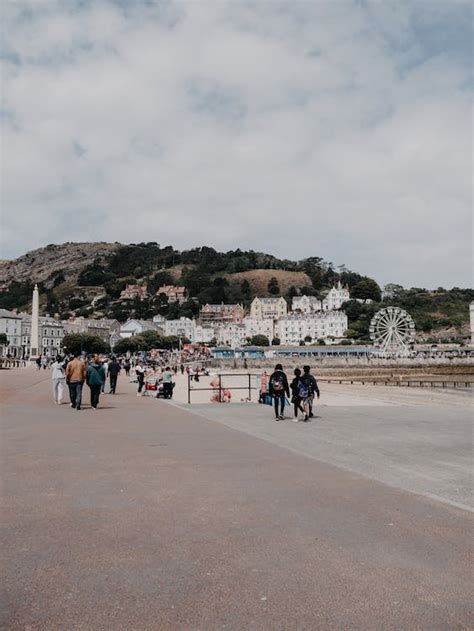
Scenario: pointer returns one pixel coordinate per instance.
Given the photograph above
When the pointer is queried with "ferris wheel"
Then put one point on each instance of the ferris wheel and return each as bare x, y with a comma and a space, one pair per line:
392, 329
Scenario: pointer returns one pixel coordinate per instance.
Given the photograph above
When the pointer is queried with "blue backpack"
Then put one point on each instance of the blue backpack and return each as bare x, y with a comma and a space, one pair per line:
303, 391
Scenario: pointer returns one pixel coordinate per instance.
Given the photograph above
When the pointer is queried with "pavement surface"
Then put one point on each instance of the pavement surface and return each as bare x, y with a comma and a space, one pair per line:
145, 515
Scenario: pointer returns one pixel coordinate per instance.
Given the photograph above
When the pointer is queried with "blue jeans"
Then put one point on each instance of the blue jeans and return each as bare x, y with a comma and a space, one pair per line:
75, 392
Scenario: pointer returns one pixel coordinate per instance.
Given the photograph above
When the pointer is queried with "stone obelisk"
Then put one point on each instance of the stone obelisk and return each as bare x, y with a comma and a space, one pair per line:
34, 339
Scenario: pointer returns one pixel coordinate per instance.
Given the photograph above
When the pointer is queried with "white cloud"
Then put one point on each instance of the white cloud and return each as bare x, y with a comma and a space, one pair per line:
332, 129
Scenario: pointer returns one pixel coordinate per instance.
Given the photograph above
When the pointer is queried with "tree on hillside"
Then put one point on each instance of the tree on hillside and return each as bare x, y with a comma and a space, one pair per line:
83, 342
245, 290
160, 279
392, 291
273, 287
94, 275
367, 289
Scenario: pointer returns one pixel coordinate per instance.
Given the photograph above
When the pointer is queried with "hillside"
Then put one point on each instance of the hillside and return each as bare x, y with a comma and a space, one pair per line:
259, 279
40, 265
87, 279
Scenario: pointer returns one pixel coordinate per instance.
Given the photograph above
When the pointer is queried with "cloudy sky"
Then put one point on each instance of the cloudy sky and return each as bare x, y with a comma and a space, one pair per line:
335, 129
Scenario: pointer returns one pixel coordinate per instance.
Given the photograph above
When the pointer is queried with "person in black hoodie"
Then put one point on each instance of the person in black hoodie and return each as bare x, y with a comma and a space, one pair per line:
311, 387
114, 369
279, 389
296, 393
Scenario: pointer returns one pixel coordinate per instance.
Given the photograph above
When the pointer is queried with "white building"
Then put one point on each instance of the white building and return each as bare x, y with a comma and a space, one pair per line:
253, 326
306, 304
135, 327
181, 327
294, 328
336, 297
103, 328
232, 335
203, 334
268, 308
11, 325
17, 328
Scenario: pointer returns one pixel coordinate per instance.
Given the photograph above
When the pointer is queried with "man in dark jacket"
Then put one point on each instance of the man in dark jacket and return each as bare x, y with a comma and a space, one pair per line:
311, 389
279, 389
114, 369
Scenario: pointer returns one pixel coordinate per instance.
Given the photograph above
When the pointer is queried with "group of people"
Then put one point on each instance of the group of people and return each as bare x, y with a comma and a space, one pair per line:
76, 371
302, 391
161, 381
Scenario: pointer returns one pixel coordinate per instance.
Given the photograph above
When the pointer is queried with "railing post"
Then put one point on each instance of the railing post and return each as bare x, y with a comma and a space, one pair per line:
220, 389
189, 389
250, 388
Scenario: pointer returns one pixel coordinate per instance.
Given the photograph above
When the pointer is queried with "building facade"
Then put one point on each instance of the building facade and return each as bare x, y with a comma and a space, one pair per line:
336, 297
268, 308
11, 326
221, 314
253, 326
135, 327
174, 293
181, 327
306, 304
230, 334
132, 292
294, 328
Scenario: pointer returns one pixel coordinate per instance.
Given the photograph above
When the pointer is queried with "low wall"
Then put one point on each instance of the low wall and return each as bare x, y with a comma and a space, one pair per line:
355, 366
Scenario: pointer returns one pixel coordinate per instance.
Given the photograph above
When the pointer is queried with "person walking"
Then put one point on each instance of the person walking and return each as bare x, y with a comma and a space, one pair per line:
114, 370
311, 388
105, 366
140, 372
126, 366
278, 389
167, 383
95, 380
297, 390
58, 377
38, 362
75, 377
263, 387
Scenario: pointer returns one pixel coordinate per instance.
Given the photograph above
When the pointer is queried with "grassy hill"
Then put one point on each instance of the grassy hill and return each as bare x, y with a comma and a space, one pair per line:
260, 278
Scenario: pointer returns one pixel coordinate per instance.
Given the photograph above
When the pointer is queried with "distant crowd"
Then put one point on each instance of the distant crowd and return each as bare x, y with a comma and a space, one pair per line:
152, 375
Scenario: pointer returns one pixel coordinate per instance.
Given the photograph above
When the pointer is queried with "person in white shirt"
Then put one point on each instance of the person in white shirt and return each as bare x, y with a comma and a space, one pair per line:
58, 377
140, 372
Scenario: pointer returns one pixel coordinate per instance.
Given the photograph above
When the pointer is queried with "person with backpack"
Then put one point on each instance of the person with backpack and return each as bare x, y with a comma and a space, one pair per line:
95, 379
279, 389
311, 386
298, 392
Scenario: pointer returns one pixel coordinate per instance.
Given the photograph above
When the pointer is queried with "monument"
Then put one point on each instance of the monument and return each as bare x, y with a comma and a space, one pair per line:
34, 339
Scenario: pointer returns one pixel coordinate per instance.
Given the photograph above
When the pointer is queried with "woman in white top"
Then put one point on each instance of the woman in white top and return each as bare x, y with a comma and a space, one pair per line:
59, 379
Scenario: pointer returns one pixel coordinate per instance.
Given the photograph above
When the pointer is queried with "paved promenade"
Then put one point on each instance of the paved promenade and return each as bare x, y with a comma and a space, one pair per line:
145, 515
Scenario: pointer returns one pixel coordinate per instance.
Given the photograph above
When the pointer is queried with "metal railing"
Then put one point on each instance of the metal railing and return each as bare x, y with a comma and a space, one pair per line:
407, 383
220, 388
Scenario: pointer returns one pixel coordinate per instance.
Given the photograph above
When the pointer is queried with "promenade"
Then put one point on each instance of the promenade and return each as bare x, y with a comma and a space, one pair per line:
151, 515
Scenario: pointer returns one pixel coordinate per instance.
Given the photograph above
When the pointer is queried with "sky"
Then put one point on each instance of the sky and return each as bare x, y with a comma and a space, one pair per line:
335, 129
